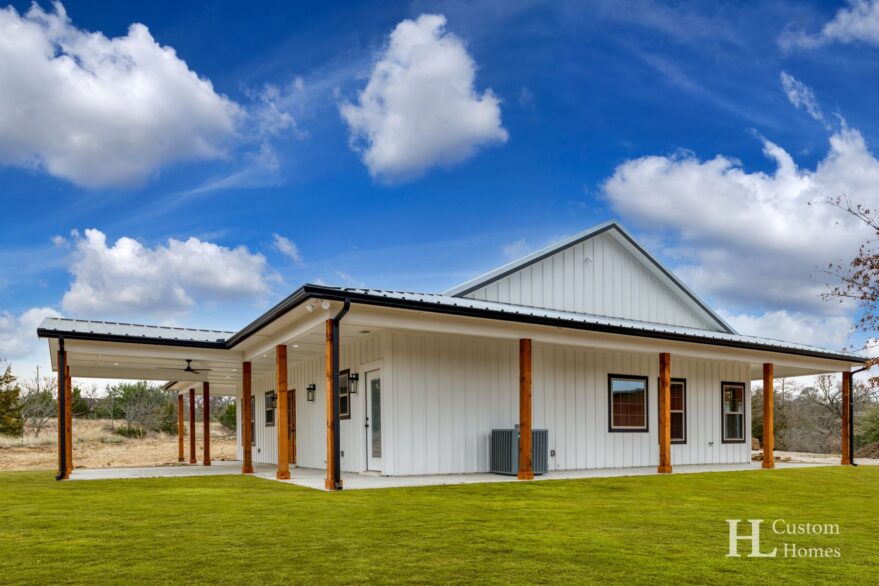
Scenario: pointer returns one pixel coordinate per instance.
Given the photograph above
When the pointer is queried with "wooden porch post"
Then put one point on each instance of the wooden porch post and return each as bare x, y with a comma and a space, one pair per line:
846, 418
246, 416
664, 413
330, 483
768, 417
526, 470
192, 426
63, 473
68, 416
206, 422
281, 412
181, 429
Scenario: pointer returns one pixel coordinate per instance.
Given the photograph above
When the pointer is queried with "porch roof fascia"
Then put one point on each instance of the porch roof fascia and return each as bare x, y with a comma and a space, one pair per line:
443, 304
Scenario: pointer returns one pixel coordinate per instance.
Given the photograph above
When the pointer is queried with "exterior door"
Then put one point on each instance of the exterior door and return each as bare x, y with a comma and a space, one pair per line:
291, 424
374, 420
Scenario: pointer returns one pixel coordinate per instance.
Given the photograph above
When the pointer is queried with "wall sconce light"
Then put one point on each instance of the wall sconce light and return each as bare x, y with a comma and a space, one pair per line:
310, 391
352, 386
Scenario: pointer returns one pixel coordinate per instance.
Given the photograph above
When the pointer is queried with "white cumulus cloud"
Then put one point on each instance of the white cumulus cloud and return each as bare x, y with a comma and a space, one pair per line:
823, 331
18, 333
101, 111
420, 108
752, 239
858, 22
128, 277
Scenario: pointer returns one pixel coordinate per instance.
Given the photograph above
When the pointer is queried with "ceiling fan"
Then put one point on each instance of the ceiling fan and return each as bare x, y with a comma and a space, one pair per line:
189, 368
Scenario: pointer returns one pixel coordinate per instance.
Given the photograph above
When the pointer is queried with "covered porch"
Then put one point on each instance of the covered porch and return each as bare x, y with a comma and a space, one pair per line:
286, 371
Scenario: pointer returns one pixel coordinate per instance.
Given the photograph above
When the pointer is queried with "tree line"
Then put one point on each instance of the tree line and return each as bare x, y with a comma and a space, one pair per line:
132, 409
808, 416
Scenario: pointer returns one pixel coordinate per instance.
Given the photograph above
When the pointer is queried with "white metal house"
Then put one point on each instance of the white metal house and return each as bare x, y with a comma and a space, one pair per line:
590, 339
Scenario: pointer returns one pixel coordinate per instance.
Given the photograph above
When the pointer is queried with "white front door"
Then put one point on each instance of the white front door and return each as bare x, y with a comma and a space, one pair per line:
374, 420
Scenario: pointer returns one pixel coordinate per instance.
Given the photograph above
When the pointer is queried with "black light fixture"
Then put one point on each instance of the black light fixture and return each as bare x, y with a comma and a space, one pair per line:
310, 391
353, 378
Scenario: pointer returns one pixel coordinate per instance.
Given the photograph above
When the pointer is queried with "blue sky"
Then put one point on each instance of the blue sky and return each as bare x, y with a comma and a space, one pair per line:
240, 150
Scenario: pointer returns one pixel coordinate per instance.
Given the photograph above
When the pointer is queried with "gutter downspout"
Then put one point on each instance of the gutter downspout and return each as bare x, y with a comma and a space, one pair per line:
851, 417
337, 465
62, 413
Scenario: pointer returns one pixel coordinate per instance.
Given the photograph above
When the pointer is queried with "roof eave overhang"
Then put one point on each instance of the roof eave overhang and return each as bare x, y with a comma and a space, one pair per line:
357, 297
99, 337
307, 292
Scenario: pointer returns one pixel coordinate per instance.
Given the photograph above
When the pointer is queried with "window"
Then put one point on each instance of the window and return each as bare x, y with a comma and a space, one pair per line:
627, 402
252, 420
733, 412
271, 401
344, 394
678, 392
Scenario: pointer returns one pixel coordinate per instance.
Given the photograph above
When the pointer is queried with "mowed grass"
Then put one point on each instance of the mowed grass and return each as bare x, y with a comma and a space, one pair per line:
237, 529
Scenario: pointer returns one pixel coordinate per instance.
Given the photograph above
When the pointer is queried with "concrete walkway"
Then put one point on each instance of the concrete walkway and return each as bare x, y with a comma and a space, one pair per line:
314, 478
174, 471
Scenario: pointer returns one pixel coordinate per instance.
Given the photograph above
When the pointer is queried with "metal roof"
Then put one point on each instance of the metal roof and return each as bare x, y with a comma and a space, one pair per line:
597, 320
125, 330
431, 302
624, 238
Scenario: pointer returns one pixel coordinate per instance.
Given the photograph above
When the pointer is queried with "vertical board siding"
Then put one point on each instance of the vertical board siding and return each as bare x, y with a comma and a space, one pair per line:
443, 394
613, 283
450, 392
239, 450
571, 401
311, 424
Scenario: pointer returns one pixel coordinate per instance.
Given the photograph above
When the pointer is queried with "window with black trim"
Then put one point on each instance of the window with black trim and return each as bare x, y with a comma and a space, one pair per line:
345, 394
271, 402
252, 420
627, 402
733, 414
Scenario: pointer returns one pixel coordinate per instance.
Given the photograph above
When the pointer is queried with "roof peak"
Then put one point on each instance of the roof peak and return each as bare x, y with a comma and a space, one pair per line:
625, 237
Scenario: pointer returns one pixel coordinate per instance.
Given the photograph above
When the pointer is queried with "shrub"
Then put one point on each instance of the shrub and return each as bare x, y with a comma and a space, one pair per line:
869, 428
227, 417
169, 418
10, 409
130, 432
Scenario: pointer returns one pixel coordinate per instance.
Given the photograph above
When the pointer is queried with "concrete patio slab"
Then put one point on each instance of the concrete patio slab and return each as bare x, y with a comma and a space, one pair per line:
314, 477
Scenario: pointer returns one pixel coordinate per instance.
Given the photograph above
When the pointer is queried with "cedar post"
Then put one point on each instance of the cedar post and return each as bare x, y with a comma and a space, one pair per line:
181, 429
192, 426
846, 418
206, 422
246, 416
664, 413
68, 417
63, 474
526, 470
330, 483
768, 417
281, 412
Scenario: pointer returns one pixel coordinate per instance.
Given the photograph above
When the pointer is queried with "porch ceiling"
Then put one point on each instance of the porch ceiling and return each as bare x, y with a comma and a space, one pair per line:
222, 368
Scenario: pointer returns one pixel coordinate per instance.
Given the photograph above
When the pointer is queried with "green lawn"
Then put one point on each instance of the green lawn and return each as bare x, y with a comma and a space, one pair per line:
238, 529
